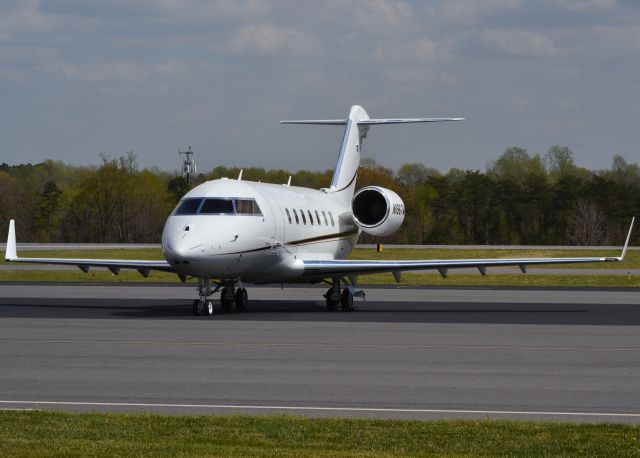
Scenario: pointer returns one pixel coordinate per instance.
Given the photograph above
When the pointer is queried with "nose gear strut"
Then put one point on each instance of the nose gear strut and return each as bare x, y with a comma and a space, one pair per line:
230, 296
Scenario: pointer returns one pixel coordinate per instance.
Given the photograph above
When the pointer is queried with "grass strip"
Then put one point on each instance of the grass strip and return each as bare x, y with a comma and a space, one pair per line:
47, 433
101, 276
506, 280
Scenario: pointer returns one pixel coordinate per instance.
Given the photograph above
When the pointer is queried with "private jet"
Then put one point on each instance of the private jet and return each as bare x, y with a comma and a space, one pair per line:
231, 232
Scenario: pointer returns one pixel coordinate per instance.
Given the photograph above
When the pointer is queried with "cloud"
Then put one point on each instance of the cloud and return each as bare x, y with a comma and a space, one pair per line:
380, 15
158, 8
129, 72
269, 39
586, 5
471, 11
22, 16
521, 43
420, 49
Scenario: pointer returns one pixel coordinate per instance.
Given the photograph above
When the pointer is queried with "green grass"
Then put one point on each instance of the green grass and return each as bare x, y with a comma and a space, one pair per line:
98, 276
510, 280
116, 253
44, 433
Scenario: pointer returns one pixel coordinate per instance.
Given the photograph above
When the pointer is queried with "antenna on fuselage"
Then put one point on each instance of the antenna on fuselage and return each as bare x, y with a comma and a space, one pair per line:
189, 164
240, 175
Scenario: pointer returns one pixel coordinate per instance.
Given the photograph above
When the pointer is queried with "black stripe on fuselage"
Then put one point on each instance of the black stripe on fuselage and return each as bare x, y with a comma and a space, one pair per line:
320, 238
323, 238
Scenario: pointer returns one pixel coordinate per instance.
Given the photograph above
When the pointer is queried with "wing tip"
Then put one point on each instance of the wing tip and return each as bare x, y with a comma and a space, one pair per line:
11, 250
626, 243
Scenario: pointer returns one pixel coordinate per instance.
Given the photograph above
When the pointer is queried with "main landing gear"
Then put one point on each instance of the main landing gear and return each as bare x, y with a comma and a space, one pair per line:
230, 296
336, 297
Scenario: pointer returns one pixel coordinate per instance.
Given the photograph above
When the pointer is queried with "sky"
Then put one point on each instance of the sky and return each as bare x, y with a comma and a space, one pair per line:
79, 78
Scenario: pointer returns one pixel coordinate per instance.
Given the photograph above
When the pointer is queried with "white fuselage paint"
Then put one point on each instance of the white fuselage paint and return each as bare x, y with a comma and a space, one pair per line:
259, 249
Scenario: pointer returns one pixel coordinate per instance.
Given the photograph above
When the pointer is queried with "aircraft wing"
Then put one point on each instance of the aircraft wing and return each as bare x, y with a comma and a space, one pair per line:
326, 268
114, 265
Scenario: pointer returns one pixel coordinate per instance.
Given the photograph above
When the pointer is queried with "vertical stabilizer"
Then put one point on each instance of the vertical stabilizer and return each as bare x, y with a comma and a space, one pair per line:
357, 125
346, 169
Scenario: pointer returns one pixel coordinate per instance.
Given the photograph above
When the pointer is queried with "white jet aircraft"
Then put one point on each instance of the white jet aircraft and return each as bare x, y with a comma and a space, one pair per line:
232, 232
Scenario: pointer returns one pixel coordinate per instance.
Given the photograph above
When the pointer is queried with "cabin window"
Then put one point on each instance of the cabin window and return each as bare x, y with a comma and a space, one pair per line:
304, 219
310, 217
324, 215
217, 207
188, 207
247, 207
288, 215
318, 218
331, 216
295, 213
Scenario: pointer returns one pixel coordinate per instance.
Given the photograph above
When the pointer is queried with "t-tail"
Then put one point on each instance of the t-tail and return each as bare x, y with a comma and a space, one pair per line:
356, 128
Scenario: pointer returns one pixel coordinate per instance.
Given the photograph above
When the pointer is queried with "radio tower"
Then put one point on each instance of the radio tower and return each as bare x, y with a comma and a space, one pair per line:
188, 165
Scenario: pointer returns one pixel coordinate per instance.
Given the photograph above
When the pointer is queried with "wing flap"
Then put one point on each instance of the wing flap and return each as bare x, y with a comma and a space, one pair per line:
344, 267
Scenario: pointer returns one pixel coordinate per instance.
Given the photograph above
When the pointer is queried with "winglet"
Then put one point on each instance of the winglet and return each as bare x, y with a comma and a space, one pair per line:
626, 243
11, 252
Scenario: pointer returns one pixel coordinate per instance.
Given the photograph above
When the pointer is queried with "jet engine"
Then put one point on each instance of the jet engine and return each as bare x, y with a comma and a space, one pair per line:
377, 211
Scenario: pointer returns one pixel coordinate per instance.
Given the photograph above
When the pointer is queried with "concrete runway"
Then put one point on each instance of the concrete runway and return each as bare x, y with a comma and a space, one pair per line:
418, 353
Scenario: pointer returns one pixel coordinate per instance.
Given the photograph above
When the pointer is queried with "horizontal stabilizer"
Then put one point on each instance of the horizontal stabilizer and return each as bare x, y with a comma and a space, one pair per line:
368, 122
322, 122
406, 120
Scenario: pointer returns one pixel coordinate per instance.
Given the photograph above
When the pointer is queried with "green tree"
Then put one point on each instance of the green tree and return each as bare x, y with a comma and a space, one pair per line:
515, 164
47, 216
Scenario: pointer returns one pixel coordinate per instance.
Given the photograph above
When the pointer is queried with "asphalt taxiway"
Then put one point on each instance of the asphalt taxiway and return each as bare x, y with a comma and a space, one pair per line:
418, 353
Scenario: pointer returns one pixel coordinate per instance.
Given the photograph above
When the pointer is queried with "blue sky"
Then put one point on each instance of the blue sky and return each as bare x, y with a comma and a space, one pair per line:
82, 77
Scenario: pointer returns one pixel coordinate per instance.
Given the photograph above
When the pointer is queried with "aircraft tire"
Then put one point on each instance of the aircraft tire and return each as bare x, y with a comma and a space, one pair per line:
208, 308
332, 302
241, 299
227, 305
196, 307
346, 300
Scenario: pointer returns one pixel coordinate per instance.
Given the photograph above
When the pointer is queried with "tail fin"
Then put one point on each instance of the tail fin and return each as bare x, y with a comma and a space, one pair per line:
357, 125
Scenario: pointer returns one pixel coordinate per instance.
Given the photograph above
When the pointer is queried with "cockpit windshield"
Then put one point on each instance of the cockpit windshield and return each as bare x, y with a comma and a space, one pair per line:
218, 206
188, 207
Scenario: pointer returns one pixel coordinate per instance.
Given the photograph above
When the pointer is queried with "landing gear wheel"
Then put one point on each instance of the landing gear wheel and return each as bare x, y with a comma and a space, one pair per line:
346, 300
208, 307
226, 299
196, 307
332, 300
241, 299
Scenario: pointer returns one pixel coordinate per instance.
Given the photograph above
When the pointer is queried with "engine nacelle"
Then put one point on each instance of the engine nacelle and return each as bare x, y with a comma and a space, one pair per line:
377, 211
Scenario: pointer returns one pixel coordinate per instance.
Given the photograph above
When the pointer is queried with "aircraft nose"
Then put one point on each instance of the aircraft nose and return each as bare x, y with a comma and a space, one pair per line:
184, 245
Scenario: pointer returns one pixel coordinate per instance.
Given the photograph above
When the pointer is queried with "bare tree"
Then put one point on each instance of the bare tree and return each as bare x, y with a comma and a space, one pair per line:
587, 224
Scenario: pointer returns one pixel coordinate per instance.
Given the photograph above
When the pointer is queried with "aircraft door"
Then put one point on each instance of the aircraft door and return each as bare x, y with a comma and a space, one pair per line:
278, 216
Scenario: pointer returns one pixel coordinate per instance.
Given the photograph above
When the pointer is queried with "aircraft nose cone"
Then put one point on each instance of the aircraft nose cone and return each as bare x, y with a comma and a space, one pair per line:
184, 245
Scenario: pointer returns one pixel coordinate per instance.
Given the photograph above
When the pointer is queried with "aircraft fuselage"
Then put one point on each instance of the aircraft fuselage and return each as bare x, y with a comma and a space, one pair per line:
220, 233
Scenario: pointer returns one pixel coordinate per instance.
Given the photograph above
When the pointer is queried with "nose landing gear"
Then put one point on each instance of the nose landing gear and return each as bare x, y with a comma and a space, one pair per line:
229, 297
204, 306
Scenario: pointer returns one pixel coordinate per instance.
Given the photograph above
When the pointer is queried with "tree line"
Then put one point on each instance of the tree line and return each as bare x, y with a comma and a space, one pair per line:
518, 199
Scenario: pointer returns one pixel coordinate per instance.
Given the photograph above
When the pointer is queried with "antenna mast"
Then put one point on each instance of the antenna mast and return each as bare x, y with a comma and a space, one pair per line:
189, 164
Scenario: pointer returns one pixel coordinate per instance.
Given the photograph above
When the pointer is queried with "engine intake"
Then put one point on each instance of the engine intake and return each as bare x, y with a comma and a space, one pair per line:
377, 211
